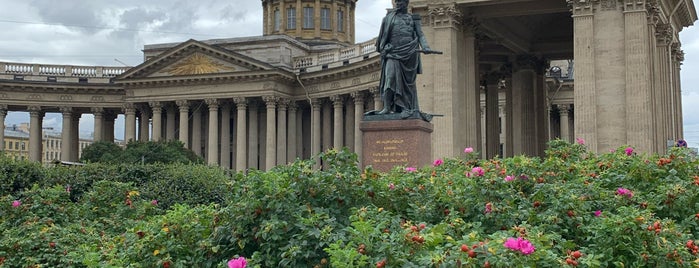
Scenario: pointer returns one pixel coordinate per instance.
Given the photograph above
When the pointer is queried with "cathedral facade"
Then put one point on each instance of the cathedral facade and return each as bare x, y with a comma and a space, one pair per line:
505, 84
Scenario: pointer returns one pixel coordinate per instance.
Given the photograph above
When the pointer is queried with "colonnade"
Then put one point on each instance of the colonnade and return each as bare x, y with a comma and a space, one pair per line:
254, 132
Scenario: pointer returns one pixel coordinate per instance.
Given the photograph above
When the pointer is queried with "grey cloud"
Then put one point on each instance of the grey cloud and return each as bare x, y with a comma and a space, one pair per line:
83, 13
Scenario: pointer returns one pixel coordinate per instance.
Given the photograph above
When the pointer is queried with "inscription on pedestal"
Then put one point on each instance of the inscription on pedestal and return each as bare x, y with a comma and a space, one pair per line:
391, 143
390, 151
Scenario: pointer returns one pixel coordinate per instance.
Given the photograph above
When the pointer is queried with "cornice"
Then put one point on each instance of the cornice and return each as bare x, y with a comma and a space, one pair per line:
42, 87
362, 67
206, 79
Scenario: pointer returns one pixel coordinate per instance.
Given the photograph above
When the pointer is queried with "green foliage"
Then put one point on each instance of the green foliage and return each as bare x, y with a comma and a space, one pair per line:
138, 152
102, 152
576, 208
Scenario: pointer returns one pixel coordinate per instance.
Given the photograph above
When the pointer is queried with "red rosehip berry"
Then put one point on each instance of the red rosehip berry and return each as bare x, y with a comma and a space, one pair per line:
576, 254
464, 248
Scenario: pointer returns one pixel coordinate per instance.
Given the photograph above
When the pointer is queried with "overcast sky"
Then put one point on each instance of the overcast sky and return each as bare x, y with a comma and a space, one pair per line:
101, 32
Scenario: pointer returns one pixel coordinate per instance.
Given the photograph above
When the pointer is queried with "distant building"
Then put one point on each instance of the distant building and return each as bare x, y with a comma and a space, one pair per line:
17, 143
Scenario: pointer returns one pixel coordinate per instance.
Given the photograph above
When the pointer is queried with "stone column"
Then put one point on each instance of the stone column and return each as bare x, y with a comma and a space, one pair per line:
291, 135
376, 94
639, 130
241, 105
144, 123
349, 125
253, 130
98, 134
509, 115
183, 106
66, 132
225, 135
36, 116
338, 103
130, 118
492, 107
455, 85
358, 98
281, 131
327, 126
663, 35
316, 105
109, 117
585, 81
170, 123
523, 107
196, 130
483, 142
678, 58
3, 113
75, 137
271, 141
565, 120
212, 146
157, 108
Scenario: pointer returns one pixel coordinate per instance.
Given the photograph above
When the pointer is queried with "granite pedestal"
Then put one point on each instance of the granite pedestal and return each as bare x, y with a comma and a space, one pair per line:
390, 143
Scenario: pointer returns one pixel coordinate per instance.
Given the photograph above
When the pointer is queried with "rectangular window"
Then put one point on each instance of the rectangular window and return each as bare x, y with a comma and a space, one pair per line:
277, 20
325, 19
308, 18
291, 18
23, 146
340, 21
10, 146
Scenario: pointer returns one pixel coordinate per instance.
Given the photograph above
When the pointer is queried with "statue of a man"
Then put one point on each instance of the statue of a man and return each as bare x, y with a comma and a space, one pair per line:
399, 42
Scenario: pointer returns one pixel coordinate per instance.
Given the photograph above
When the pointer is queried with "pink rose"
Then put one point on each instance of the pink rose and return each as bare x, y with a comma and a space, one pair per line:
468, 150
580, 141
624, 192
154, 202
509, 178
520, 244
598, 213
628, 151
16, 203
438, 162
237, 263
478, 171
410, 169
391, 186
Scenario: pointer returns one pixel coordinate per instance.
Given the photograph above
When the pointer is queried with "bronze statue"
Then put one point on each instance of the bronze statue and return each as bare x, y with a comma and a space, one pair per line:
399, 43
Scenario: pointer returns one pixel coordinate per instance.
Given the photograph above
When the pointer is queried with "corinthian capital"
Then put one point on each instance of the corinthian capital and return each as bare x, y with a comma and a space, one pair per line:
581, 7
448, 15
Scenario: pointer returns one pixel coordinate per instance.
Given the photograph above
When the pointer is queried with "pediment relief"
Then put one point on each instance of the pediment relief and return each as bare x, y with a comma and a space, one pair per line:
198, 64
193, 58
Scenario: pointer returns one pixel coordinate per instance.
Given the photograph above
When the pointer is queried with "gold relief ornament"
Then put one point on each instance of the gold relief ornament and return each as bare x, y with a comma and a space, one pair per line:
198, 64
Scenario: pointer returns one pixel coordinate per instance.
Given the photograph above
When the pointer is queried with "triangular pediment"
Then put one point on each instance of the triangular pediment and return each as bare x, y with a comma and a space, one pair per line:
194, 58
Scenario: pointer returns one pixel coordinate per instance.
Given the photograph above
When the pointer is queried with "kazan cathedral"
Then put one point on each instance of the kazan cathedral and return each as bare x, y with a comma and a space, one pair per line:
514, 74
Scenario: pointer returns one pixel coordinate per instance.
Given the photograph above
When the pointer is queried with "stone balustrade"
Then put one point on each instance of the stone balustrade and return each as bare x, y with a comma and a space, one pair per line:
327, 58
60, 70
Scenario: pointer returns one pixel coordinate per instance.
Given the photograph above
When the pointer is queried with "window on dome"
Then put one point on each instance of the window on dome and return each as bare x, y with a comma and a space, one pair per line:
308, 18
340, 21
325, 19
291, 18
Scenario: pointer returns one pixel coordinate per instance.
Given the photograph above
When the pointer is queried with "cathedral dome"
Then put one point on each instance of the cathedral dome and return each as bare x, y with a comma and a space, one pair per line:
315, 22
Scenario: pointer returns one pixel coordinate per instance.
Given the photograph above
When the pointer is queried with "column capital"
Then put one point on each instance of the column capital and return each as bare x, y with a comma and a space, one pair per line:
664, 33
212, 103
563, 108
97, 110
677, 53
374, 91
445, 16
182, 103
653, 12
129, 108
283, 103
316, 104
581, 7
357, 96
155, 105
240, 102
66, 110
270, 101
338, 100
530, 62
293, 106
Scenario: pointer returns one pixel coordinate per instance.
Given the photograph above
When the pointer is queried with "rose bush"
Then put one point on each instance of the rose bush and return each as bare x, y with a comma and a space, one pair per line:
570, 208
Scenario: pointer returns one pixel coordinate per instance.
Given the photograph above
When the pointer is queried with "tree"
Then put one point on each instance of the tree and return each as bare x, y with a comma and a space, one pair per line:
140, 152
102, 152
